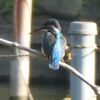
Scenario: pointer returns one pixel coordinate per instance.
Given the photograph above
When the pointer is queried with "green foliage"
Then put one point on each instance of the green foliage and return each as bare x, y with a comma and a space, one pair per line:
5, 6
95, 2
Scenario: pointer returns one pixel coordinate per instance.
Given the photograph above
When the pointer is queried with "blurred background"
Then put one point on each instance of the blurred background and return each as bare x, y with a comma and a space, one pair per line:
41, 77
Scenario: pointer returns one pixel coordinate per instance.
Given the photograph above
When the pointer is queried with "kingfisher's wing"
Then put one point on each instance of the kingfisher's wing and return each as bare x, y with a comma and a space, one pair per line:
47, 43
65, 56
54, 51
58, 52
63, 41
55, 56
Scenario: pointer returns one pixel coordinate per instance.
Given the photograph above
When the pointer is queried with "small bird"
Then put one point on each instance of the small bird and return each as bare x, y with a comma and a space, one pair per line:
54, 43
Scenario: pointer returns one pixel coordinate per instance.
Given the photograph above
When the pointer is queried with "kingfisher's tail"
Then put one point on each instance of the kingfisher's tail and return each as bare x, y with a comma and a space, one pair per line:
54, 66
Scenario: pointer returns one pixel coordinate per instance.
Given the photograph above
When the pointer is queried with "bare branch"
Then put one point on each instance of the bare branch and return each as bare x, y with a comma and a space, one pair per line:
17, 45
64, 65
80, 76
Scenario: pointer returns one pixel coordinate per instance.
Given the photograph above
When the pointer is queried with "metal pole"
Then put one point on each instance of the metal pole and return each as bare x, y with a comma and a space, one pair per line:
20, 66
83, 58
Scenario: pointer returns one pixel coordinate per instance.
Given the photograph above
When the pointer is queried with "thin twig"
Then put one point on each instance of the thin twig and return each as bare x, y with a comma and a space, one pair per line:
17, 45
80, 76
64, 65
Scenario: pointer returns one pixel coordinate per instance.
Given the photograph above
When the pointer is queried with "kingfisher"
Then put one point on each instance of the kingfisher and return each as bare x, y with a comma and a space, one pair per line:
54, 43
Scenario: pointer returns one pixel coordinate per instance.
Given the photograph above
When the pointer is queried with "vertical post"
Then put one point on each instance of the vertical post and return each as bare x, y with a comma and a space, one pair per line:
83, 58
20, 66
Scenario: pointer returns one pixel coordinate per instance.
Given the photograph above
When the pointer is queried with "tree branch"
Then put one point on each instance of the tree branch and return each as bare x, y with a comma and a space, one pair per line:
17, 45
64, 65
80, 76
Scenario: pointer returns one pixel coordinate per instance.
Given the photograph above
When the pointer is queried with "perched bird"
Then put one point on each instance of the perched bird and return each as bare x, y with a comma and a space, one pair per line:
53, 42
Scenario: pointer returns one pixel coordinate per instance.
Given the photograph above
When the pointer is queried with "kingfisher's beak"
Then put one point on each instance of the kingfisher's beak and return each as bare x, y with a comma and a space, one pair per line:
42, 28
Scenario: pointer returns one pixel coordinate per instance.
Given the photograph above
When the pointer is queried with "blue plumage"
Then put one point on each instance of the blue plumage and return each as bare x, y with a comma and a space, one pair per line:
55, 52
53, 43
